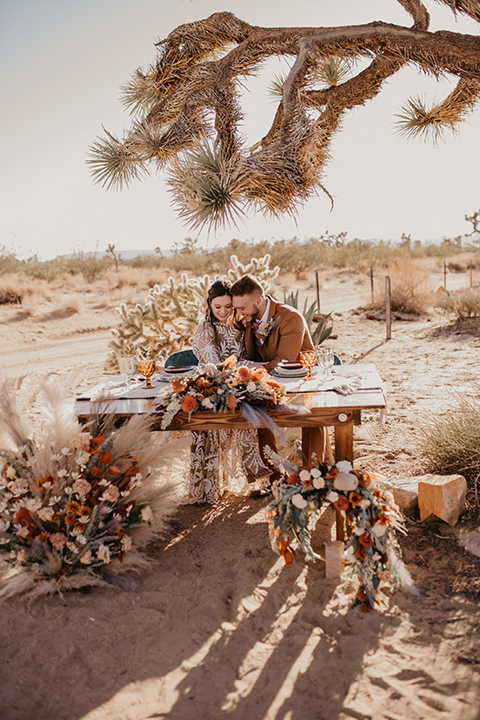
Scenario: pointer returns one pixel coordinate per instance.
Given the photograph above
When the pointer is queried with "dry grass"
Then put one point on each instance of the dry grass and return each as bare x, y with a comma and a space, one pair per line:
451, 444
462, 304
410, 288
16, 288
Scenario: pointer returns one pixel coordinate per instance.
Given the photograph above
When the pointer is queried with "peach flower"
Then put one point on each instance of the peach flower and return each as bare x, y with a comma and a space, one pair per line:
188, 403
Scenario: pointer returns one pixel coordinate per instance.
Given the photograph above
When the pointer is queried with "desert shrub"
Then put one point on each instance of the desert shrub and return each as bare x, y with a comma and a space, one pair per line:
462, 304
8, 260
16, 288
451, 444
410, 289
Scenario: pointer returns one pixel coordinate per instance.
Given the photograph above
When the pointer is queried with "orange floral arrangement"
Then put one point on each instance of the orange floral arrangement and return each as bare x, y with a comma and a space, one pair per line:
225, 387
370, 514
69, 500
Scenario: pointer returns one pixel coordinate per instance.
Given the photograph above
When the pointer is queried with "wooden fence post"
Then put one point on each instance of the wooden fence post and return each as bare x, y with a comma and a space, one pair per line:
317, 282
388, 307
372, 294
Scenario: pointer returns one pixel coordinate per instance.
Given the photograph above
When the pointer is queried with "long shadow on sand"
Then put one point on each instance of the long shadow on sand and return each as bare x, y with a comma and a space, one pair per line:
220, 628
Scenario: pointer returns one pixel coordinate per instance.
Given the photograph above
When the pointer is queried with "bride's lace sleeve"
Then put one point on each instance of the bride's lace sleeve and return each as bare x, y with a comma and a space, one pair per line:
203, 344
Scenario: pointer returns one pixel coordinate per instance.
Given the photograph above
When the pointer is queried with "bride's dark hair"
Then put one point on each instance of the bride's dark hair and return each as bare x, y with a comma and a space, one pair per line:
219, 288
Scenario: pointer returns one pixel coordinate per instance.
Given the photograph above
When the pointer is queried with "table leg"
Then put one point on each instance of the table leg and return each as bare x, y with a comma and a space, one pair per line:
343, 451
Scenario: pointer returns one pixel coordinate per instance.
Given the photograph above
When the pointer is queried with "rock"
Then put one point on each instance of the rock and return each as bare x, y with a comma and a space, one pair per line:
405, 492
442, 496
470, 540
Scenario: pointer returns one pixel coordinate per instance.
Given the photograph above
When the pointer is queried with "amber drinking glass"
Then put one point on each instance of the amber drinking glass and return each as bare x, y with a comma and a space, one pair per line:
308, 358
147, 369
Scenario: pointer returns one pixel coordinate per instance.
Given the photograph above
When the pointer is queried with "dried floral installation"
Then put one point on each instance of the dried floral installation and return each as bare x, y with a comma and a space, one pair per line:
371, 516
186, 106
71, 496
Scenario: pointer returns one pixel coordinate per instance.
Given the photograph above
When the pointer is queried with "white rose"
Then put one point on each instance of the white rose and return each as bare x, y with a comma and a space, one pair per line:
210, 369
315, 473
10, 472
344, 465
82, 458
299, 501
304, 475
345, 481
379, 530
103, 554
364, 504
332, 496
46, 513
251, 387
318, 482
87, 558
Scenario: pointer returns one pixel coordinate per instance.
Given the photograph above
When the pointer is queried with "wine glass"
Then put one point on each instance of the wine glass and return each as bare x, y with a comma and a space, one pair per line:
146, 367
308, 358
325, 359
126, 365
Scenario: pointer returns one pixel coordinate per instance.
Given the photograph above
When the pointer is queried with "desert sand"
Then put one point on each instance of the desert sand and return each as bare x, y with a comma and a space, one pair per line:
219, 626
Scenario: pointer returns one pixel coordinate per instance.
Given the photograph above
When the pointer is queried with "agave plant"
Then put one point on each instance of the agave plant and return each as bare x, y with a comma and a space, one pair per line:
320, 329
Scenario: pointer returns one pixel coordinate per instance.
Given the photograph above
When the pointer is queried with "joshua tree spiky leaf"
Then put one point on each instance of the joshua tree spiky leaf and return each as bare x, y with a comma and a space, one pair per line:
206, 187
192, 93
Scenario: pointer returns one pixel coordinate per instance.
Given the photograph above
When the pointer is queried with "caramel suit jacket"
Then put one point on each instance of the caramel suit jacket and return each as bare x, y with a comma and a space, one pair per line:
288, 337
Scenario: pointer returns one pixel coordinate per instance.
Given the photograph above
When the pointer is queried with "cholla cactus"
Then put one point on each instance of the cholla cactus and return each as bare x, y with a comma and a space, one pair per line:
167, 320
259, 267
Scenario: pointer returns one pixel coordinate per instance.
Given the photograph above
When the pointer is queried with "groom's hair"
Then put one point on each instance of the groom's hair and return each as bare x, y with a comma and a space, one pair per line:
247, 285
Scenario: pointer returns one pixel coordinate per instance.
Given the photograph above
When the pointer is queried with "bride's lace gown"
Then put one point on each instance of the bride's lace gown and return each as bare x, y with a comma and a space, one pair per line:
220, 460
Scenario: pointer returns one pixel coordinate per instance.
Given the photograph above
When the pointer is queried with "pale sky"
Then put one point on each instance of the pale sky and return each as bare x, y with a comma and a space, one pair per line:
62, 64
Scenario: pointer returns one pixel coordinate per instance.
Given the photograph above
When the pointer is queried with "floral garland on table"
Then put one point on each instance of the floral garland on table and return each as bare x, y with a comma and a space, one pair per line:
225, 387
372, 519
67, 511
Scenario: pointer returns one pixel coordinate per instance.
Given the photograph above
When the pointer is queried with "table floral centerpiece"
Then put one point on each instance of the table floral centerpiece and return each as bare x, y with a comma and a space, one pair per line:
370, 514
224, 387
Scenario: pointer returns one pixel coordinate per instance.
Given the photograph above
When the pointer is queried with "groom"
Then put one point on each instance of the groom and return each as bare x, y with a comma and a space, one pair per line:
274, 332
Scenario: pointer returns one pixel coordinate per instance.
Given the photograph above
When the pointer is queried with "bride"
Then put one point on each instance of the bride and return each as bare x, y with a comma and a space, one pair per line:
221, 460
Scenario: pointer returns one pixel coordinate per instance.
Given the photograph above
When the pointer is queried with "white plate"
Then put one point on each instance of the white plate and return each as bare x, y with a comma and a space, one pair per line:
283, 372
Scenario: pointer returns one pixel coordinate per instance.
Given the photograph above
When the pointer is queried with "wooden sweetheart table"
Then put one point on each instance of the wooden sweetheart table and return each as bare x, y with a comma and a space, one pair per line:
327, 405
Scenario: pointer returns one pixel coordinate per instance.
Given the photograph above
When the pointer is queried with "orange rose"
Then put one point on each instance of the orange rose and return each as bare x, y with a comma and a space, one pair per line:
229, 362
369, 479
232, 402
360, 553
365, 539
342, 503
271, 382
259, 374
188, 403
179, 385
244, 374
